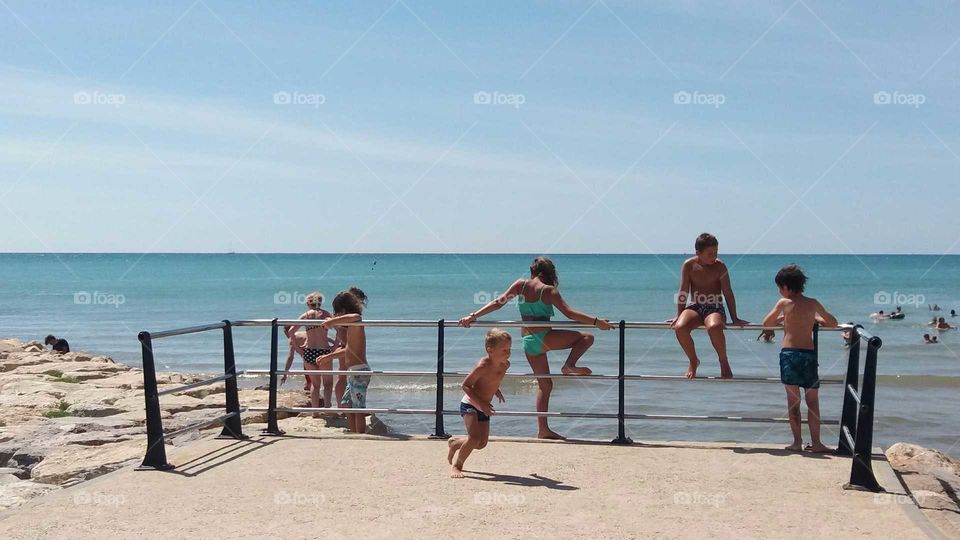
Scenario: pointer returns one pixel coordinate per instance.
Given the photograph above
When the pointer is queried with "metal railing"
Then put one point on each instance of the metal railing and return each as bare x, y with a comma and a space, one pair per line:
856, 423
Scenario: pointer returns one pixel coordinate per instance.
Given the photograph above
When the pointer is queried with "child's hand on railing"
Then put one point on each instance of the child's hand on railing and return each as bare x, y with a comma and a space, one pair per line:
602, 324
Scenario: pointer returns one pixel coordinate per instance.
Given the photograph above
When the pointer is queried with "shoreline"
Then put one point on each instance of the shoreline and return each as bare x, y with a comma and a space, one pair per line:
70, 418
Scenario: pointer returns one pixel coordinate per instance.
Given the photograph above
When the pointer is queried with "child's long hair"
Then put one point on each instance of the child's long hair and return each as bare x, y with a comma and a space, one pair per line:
544, 269
349, 301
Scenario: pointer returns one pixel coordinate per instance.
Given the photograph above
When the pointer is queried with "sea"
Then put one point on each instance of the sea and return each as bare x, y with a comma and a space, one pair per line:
100, 302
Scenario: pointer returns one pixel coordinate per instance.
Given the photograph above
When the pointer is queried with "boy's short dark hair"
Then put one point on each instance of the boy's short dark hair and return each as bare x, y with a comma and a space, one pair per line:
704, 241
349, 301
791, 277
50, 339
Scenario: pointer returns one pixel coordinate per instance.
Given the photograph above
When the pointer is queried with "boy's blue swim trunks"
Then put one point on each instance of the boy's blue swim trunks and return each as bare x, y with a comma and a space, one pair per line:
798, 367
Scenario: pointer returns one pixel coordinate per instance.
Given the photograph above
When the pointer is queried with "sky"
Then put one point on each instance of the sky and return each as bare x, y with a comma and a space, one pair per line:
531, 127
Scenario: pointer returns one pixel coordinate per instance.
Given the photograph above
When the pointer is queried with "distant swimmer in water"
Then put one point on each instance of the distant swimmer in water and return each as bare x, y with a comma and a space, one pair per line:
942, 324
537, 298
928, 340
704, 286
898, 314
766, 336
934, 307
953, 313
879, 315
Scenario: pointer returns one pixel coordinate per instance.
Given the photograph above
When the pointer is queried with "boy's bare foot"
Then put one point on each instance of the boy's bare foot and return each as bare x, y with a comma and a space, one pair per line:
454, 444
725, 371
456, 471
552, 435
795, 447
574, 370
818, 448
692, 369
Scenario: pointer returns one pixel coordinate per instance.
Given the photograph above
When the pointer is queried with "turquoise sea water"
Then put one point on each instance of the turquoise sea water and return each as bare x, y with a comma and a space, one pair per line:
99, 302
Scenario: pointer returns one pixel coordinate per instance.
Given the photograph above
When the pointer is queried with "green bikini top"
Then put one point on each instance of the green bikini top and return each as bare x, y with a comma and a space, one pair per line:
538, 309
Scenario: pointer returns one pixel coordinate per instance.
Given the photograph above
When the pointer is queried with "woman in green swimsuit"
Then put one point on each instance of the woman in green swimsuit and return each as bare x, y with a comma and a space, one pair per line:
537, 297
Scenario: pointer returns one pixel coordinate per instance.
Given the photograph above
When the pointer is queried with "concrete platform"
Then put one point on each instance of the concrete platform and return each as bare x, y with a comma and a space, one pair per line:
303, 486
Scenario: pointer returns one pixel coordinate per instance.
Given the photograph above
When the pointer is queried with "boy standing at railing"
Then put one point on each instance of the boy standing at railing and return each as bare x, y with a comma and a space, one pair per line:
705, 283
798, 358
348, 308
476, 407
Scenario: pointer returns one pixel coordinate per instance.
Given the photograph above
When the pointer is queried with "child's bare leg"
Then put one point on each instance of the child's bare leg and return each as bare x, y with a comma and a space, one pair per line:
812, 396
683, 327
540, 365
361, 423
327, 381
714, 324
793, 412
454, 444
314, 389
474, 436
340, 388
577, 342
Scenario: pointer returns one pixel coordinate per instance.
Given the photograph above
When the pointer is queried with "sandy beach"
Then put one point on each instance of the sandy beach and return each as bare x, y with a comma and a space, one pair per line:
305, 486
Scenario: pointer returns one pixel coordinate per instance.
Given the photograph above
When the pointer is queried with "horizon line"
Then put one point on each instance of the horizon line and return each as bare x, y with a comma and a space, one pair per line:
461, 253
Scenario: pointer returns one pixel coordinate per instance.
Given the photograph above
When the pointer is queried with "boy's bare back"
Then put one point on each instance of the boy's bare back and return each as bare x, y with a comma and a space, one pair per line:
800, 313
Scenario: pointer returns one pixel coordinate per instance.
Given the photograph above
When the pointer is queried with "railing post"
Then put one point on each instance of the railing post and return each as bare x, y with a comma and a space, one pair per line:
439, 432
272, 427
861, 473
621, 382
156, 457
848, 418
232, 427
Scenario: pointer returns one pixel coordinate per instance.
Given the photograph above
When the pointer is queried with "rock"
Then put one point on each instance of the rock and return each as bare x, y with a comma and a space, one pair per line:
80, 463
913, 458
6, 478
93, 410
34, 347
16, 493
127, 380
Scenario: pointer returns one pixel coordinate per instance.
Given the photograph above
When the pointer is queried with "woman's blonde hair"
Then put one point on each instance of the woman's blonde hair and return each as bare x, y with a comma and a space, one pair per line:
314, 300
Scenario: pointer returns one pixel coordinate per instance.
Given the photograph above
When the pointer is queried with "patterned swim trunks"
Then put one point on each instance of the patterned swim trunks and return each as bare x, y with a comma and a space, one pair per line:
798, 367
356, 394
704, 310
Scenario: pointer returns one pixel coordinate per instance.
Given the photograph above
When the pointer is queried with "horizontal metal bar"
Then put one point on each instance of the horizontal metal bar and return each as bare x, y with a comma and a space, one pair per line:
761, 420
853, 393
502, 324
187, 330
431, 412
663, 378
867, 336
194, 385
204, 424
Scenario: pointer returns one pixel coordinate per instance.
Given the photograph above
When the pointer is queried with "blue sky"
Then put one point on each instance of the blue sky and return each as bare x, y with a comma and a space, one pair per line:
811, 127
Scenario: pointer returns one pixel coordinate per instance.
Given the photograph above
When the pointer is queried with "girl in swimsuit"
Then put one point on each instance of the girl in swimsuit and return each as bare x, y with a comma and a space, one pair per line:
537, 297
318, 344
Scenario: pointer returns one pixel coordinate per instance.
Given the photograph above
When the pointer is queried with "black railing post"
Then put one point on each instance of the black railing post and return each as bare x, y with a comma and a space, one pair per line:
156, 456
439, 432
272, 427
232, 427
848, 418
621, 382
861, 473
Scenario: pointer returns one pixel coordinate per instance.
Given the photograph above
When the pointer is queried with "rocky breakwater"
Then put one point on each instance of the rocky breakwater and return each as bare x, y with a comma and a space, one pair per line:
66, 418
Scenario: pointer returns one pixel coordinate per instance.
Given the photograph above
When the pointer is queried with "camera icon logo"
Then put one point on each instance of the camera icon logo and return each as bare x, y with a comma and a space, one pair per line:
281, 98
881, 298
681, 98
882, 98
282, 298
482, 98
82, 298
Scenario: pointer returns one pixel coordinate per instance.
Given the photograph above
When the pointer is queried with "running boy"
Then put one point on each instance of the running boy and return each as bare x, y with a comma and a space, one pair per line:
348, 308
476, 407
704, 281
798, 359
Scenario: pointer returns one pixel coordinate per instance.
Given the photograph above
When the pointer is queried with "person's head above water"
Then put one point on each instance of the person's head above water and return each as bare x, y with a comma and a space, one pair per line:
50, 339
791, 280
350, 301
543, 268
707, 246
